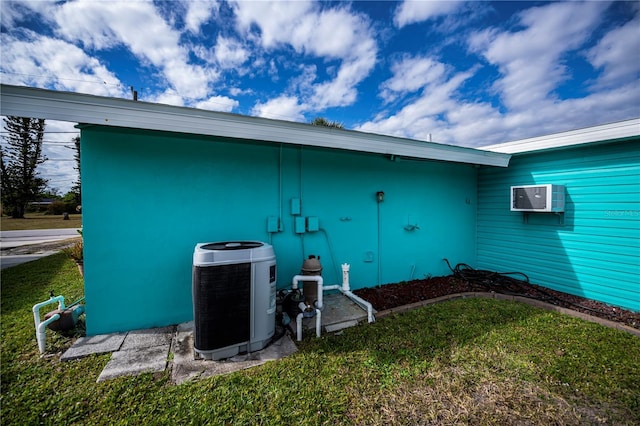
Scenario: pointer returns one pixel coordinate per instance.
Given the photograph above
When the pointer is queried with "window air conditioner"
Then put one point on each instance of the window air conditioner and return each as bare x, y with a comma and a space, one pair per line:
537, 198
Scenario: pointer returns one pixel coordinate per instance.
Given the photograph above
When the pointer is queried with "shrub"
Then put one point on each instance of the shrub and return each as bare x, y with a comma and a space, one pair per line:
59, 207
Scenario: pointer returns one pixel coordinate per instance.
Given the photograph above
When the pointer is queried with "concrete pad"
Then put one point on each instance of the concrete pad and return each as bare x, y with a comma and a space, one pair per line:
340, 326
279, 349
98, 344
136, 361
339, 312
148, 338
186, 366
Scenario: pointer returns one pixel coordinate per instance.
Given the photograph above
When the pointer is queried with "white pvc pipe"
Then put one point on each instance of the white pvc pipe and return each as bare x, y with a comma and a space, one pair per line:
318, 324
344, 289
363, 303
316, 278
299, 326
331, 287
41, 326
41, 335
345, 276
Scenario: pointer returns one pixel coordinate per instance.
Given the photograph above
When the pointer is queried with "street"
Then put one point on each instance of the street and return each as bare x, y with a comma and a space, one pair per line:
13, 239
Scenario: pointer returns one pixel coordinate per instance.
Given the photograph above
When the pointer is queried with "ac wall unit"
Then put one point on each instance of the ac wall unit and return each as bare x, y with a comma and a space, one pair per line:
537, 198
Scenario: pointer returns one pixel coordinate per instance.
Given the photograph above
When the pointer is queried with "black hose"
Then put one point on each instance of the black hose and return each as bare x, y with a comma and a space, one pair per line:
501, 282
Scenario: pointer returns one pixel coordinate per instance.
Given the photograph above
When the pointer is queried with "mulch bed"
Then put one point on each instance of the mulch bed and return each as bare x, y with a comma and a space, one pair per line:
394, 295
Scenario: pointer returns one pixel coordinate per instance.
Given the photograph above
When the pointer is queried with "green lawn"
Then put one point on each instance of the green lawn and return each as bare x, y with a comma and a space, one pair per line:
40, 221
476, 361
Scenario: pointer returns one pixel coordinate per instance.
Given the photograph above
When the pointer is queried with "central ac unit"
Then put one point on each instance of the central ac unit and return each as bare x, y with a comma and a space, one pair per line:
537, 198
234, 297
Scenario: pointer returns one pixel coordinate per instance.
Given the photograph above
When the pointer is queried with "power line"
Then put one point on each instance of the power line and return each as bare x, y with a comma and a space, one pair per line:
45, 132
62, 78
65, 144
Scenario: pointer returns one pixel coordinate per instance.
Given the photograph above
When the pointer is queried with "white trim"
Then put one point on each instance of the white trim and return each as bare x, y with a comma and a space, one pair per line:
89, 109
605, 132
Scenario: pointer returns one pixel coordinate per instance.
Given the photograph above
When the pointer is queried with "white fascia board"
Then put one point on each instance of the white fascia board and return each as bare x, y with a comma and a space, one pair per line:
90, 109
601, 133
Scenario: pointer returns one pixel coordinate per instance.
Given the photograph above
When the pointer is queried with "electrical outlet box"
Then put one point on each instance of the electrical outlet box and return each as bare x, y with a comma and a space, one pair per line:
299, 225
296, 207
272, 224
313, 224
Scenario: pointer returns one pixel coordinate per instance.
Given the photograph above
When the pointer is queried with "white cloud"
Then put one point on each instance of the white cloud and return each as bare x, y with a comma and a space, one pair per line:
412, 11
334, 33
530, 60
168, 97
104, 25
276, 20
198, 12
411, 74
423, 116
230, 53
14, 10
618, 55
218, 103
280, 108
39, 61
342, 90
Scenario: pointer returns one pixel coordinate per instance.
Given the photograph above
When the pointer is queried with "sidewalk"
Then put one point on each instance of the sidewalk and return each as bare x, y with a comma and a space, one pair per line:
157, 349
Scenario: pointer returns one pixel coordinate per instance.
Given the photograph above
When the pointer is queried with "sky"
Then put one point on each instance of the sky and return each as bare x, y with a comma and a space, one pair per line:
462, 73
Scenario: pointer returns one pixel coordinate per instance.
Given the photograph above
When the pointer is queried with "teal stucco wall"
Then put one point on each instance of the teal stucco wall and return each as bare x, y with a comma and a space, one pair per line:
595, 253
149, 197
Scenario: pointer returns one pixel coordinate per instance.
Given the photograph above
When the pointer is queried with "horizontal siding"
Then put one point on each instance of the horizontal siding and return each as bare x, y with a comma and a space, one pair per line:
593, 249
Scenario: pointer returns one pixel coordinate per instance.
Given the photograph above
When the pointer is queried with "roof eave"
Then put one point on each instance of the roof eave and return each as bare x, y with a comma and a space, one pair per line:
620, 130
90, 109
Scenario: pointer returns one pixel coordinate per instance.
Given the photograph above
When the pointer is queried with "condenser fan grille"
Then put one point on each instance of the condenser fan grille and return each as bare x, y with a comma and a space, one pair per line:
222, 297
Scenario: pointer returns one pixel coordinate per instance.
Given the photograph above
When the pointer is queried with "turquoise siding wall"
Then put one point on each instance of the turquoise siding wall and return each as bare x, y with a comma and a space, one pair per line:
596, 252
149, 197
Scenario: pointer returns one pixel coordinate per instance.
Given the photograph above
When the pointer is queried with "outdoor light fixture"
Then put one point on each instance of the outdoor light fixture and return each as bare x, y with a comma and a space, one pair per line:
380, 196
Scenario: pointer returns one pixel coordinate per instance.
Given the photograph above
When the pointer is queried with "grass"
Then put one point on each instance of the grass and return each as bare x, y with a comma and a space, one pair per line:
40, 221
467, 361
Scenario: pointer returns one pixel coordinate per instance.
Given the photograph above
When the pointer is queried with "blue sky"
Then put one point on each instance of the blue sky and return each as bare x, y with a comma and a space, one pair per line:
462, 73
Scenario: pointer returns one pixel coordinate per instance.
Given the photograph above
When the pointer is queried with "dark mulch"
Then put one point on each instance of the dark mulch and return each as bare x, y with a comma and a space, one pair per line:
394, 295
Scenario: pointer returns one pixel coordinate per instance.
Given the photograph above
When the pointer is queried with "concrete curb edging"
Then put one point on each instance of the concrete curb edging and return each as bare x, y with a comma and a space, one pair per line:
499, 296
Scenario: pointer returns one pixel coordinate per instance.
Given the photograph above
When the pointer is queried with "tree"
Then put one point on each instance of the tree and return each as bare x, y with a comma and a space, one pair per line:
18, 163
321, 121
77, 185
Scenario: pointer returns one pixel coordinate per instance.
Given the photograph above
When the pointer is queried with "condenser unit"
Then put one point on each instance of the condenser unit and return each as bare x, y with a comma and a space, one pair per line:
537, 198
234, 297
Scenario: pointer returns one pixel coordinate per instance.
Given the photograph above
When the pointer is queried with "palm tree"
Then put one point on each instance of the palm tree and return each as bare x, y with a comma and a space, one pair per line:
321, 121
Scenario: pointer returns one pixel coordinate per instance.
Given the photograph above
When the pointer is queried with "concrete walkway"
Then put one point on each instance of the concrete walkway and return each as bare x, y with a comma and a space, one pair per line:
154, 350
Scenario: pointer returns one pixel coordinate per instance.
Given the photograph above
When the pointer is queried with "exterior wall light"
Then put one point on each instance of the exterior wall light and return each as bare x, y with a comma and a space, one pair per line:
380, 196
